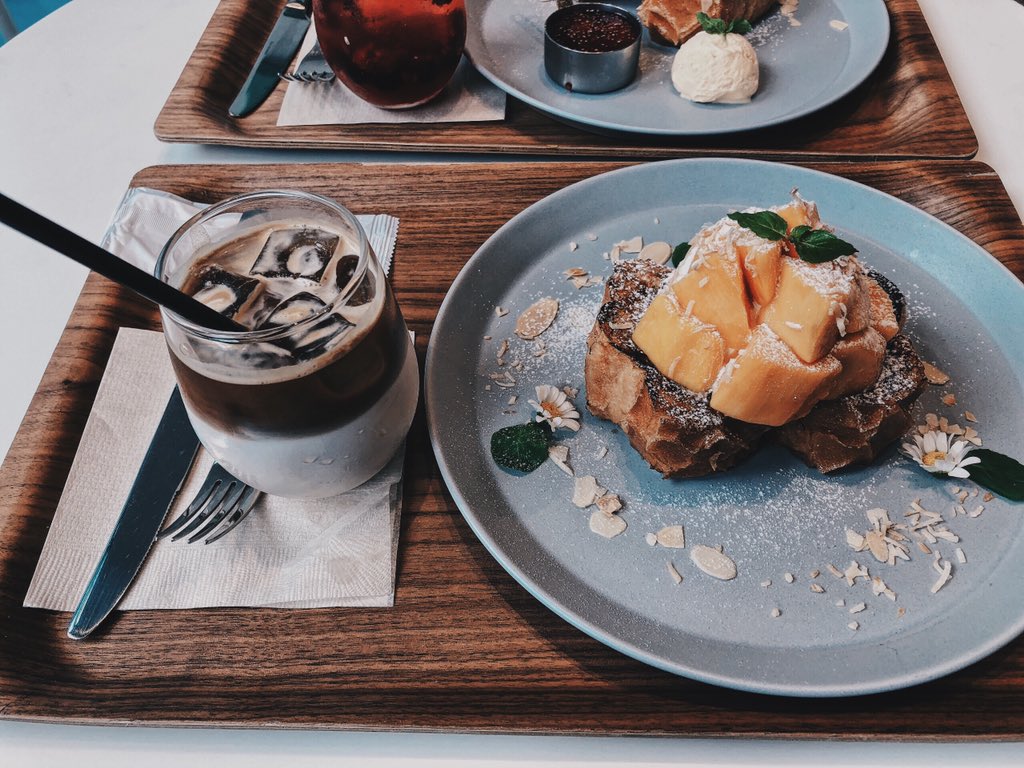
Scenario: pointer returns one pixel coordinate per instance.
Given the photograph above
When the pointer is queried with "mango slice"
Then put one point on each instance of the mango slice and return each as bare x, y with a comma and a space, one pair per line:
799, 212
718, 294
683, 348
768, 384
808, 303
761, 268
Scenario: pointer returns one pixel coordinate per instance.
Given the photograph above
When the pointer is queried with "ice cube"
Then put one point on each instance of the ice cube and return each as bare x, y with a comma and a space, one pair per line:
296, 252
323, 332
226, 292
294, 309
344, 270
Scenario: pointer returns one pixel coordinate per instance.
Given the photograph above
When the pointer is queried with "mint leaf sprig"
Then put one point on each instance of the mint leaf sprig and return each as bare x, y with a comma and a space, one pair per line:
679, 253
815, 246
522, 447
721, 26
999, 473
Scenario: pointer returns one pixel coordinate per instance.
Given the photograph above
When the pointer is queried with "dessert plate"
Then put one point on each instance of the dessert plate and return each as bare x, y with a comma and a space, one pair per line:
803, 69
772, 515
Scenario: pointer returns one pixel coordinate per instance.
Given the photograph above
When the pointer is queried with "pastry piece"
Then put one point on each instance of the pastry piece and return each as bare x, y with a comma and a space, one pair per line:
856, 428
675, 21
672, 427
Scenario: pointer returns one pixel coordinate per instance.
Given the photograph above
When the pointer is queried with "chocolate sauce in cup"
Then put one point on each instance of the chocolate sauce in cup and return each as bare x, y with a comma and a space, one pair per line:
318, 394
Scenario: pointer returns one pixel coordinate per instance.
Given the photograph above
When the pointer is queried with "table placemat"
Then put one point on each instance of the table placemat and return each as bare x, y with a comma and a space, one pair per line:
907, 108
465, 648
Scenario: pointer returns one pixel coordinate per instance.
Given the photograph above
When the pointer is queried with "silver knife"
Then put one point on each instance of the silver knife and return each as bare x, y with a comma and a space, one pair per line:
278, 52
167, 461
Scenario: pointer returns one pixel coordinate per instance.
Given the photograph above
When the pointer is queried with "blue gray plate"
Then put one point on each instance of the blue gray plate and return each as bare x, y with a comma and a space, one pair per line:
772, 515
803, 69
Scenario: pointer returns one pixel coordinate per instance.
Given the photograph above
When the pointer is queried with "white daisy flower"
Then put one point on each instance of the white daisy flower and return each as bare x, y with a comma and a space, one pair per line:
936, 452
555, 408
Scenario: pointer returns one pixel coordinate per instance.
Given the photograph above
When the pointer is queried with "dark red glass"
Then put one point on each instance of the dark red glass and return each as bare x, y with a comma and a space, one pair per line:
392, 53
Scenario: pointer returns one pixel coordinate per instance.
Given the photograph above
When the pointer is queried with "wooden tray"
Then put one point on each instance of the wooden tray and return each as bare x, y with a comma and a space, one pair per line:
465, 648
908, 108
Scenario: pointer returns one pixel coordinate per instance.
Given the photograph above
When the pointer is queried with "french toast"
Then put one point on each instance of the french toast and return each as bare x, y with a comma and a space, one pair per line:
675, 21
678, 432
672, 427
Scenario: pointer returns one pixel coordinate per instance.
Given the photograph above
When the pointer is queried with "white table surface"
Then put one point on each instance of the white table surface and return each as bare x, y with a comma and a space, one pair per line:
79, 93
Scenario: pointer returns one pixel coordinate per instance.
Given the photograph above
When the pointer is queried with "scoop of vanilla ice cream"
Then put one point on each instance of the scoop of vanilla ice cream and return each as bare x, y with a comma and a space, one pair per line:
719, 68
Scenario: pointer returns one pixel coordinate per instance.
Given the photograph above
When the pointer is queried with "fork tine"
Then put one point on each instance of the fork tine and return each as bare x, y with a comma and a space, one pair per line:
248, 502
232, 494
216, 500
197, 503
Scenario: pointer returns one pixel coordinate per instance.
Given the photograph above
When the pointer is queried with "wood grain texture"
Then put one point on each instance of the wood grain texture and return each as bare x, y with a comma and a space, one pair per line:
907, 108
465, 648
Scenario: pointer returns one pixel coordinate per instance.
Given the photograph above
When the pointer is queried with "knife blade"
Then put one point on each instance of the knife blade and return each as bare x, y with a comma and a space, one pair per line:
168, 459
285, 39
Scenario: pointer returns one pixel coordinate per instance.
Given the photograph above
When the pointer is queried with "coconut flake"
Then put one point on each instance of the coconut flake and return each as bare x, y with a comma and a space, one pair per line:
677, 577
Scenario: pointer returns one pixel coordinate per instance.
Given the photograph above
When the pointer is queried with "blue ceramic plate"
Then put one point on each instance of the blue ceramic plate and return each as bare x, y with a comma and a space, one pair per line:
772, 514
803, 69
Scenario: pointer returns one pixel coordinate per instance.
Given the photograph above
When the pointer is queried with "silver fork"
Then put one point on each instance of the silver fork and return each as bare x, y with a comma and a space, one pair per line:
223, 501
312, 69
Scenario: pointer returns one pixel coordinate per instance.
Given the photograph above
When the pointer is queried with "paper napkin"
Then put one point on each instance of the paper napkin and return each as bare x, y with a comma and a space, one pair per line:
469, 97
288, 554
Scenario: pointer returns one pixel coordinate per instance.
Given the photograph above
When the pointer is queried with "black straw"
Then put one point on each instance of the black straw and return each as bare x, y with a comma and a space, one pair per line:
77, 248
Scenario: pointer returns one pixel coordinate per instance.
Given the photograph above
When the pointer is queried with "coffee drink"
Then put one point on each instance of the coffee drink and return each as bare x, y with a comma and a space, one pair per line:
317, 395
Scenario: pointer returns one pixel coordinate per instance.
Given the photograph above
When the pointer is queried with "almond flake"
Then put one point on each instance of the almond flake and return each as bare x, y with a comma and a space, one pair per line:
855, 571
789, 577
949, 399
901, 612
586, 491
573, 246
970, 417
575, 272
855, 540
658, 252
815, 573
559, 455
536, 318
579, 282
840, 603
834, 571
877, 546
633, 245
934, 375
838, 25
713, 563
775, 613
986, 497
608, 526
853, 625
609, 504
512, 400
651, 539
677, 577
945, 574
591, 236
858, 608
500, 311
817, 588
766, 583
602, 452
672, 536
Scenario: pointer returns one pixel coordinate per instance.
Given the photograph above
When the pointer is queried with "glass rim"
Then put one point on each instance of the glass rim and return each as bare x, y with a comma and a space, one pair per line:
277, 332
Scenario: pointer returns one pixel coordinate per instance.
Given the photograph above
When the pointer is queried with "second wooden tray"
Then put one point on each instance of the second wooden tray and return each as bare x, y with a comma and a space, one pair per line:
884, 118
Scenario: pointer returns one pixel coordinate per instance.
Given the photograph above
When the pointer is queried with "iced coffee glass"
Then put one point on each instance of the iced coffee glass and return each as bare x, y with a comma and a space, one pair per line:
317, 393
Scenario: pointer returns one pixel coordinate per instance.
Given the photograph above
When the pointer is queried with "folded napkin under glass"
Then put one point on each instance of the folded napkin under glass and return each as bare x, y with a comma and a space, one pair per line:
289, 553
468, 97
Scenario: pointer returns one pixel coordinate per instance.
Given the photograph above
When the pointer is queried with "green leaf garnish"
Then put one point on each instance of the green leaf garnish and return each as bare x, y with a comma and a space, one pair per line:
722, 27
812, 245
679, 253
766, 224
819, 245
999, 473
522, 447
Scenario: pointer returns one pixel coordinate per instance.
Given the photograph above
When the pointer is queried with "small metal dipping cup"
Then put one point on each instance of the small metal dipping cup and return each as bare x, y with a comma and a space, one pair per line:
587, 71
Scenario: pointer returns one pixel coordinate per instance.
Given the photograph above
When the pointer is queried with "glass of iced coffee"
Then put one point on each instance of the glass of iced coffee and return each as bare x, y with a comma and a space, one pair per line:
317, 393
